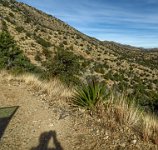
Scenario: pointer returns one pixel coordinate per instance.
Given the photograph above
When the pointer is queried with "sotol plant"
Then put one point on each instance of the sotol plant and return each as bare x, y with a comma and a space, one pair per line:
88, 95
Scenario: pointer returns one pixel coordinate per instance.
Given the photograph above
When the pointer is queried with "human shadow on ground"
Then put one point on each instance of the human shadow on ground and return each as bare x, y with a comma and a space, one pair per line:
4, 121
44, 140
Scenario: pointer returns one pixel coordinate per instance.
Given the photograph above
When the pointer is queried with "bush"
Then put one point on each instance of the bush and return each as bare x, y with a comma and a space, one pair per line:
43, 42
11, 14
11, 57
46, 53
5, 3
19, 29
4, 26
65, 42
88, 95
65, 65
27, 20
28, 34
38, 56
99, 68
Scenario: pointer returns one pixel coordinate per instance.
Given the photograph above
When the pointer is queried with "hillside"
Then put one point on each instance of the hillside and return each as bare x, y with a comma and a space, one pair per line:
73, 91
41, 36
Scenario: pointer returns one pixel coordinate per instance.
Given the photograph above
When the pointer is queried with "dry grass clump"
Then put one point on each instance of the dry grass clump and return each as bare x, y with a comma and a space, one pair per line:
129, 114
150, 128
53, 88
126, 113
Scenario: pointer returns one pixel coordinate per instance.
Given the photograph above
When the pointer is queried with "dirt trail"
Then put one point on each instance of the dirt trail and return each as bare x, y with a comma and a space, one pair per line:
32, 121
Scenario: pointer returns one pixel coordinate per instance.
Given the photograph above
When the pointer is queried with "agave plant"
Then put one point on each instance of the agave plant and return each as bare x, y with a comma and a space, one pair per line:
89, 94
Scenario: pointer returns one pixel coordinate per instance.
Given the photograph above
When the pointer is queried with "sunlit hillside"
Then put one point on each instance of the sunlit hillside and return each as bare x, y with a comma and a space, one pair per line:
107, 89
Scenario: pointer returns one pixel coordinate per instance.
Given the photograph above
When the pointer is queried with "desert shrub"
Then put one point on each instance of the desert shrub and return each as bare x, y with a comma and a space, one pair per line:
99, 68
61, 45
37, 29
65, 37
28, 34
4, 26
11, 14
155, 81
44, 30
65, 65
77, 36
71, 47
106, 65
5, 3
88, 95
88, 52
8, 19
43, 42
116, 77
121, 86
85, 63
46, 52
38, 56
65, 42
154, 102
131, 68
11, 57
20, 29
81, 45
98, 58
27, 20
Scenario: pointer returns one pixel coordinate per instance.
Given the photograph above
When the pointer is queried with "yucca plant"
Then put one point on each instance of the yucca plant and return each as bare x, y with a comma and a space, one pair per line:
88, 95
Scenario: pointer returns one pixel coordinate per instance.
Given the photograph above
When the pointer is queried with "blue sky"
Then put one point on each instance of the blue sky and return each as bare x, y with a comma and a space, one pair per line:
133, 22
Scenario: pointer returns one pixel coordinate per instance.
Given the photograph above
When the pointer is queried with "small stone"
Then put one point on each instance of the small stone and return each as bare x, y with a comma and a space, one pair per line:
81, 110
63, 116
134, 141
123, 145
134, 137
51, 125
106, 133
97, 132
106, 137
99, 120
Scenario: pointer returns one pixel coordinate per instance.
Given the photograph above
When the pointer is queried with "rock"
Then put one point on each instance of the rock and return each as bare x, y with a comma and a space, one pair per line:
81, 110
97, 131
51, 125
63, 116
134, 141
123, 145
106, 137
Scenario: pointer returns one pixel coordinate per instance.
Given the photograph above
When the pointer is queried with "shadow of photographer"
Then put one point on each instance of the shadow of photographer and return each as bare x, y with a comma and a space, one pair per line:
44, 140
